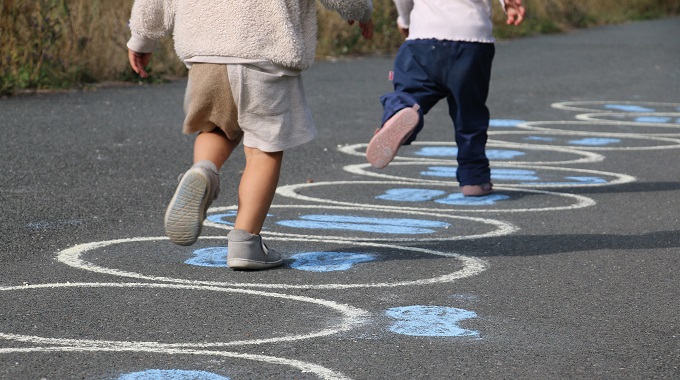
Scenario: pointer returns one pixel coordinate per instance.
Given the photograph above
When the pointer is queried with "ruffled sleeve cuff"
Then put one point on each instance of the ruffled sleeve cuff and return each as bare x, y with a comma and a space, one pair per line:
141, 44
402, 22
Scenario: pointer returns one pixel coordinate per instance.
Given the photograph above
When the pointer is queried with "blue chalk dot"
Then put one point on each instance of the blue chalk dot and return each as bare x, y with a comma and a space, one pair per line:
410, 195
328, 261
504, 122
440, 171
572, 181
499, 174
461, 200
430, 321
363, 224
539, 138
588, 180
502, 154
592, 141
209, 257
171, 374
421, 195
628, 108
514, 174
437, 151
226, 218
494, 154
653, 119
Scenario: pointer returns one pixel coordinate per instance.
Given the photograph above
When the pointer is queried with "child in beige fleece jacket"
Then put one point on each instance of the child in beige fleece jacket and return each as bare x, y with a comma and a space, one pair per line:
245, 60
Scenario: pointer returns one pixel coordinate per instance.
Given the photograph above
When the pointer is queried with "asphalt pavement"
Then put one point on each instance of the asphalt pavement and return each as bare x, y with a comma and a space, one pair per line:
569, 270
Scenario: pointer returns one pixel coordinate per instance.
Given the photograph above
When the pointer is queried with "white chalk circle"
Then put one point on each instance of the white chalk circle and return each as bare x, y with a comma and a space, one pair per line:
367, 221
587, 128
129, 252
614, 106
507, 176
349, 316
584, 142
659, 119
304, 367
434, 197
497, 152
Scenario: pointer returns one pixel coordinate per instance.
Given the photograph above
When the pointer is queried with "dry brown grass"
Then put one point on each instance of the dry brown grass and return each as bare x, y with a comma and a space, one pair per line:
56, 43
62, 43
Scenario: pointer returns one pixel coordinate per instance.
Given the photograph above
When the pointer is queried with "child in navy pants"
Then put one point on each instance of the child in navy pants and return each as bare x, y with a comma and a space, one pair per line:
447, 54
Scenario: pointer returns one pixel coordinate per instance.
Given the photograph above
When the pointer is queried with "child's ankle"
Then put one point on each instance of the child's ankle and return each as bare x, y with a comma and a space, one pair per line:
206, 164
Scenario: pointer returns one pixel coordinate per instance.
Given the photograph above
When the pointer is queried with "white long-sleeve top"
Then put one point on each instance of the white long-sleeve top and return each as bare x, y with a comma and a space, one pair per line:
282, 32
454, 20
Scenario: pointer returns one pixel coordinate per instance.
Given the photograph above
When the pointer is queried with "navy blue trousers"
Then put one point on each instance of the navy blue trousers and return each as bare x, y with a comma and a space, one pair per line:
426, 71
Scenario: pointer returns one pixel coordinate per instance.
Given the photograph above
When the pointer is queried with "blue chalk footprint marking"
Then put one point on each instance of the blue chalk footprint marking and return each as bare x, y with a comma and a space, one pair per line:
492, 154
529, 177
653, 119
539, 138
440, 171
437, 151
225, 218
573, 181
350, 223
171, 374
461, 200
411, 195
593, 141
216, 257
628, 108
421, 195
589, 180
503, 154
430, 321
209, 257
508, 174
504, 122
514, 174
328, 261
363, 224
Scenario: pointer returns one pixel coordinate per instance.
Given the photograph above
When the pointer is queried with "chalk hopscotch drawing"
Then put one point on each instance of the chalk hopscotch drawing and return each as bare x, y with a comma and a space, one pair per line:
423, 177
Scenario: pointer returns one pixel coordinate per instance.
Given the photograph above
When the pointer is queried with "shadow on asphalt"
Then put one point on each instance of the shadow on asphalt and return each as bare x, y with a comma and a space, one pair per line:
533, 245
635, 187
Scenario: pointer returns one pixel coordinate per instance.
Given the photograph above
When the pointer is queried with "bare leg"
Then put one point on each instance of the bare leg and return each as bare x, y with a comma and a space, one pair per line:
198, 187
213, 146
257, 188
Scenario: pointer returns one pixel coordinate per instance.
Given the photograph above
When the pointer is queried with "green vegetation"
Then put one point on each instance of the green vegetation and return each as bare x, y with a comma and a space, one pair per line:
53, 44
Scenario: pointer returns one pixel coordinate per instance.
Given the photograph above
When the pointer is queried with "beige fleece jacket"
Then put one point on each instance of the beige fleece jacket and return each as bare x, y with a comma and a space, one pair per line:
280, 31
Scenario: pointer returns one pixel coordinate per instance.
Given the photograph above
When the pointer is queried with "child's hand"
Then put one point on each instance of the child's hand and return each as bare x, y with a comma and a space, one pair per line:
403, 31
366, 28
139, 61
515, 10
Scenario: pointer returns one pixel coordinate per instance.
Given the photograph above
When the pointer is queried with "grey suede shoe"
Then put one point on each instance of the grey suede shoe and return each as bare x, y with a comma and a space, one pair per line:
197, 188
248, 251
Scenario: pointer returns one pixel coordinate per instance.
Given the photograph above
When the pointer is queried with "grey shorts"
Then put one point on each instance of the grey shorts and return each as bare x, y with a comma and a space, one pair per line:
268, 111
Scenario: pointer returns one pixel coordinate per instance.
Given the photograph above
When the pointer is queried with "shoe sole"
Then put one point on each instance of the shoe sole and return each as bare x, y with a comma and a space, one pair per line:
245, 264
384, 145
186, 211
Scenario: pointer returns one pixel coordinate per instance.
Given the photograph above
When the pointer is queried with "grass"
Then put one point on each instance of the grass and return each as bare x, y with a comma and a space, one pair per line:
53, 44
